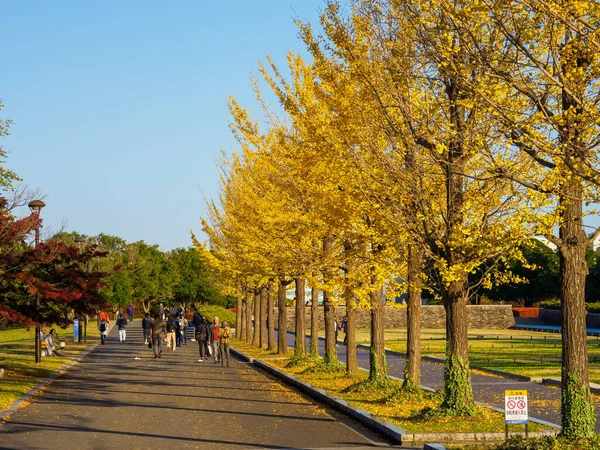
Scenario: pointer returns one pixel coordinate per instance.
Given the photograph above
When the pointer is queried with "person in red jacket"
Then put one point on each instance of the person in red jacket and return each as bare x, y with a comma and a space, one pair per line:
216, 340
103, 315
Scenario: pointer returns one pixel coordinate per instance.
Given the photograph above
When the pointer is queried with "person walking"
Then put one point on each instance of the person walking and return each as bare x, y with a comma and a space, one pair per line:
345, 329
103, 328
178, 337
122, 326
224, 336
130, 311
170, 333
184, 325
197, 321
146, 321
216, 340
203, 336
157, 329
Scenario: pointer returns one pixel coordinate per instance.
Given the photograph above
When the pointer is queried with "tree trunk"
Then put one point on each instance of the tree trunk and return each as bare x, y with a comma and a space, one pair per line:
350, 332
578, 418
314, 322
350, 338
282, 322
300, 329
458, 391
248, 315
241, 335
271, 318
378, 365
329, 311
263, 317
412, 371
238, 315
256, 334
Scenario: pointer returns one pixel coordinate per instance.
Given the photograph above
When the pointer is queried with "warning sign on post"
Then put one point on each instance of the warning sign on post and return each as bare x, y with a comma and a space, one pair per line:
515, 407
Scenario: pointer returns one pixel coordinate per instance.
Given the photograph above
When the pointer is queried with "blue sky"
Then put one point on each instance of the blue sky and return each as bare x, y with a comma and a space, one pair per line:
119, 107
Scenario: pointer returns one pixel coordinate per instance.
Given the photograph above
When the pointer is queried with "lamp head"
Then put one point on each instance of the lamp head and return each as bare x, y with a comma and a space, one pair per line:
36, 206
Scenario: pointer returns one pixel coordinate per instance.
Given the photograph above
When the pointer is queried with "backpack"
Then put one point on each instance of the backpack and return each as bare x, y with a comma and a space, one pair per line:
103, 326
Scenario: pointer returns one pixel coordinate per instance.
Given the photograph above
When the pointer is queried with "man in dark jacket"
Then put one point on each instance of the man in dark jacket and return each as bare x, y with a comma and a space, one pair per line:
122, 326
146, 327
203, 337
157, 329
197, 320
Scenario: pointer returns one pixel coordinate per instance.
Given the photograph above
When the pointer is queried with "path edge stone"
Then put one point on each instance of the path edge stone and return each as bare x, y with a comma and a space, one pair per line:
4, 415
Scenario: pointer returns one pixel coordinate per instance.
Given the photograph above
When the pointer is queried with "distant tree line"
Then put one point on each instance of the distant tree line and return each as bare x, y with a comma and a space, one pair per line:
141, 274
541, 277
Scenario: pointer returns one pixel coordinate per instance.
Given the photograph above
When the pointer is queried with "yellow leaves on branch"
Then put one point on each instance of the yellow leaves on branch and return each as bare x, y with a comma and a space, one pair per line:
432, 123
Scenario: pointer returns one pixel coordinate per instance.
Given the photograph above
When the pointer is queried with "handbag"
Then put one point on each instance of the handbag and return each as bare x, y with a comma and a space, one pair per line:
210, 350
150, 343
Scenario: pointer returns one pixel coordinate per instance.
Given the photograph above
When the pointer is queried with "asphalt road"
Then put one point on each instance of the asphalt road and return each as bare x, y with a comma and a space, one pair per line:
111, 400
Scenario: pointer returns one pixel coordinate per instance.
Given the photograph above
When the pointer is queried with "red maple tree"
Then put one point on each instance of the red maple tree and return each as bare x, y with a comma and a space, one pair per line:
54, 270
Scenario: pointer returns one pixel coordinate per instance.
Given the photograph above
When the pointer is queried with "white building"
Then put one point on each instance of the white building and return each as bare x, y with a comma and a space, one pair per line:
546, 242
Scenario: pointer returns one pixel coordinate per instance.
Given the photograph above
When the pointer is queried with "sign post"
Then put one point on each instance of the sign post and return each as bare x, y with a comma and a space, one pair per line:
75, 329
515, 409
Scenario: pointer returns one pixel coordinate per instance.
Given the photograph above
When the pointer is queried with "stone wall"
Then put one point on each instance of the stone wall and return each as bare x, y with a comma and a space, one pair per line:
433, 316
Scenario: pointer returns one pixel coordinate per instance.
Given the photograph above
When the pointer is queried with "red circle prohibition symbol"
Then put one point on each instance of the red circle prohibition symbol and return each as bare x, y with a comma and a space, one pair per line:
511, 404
521, 404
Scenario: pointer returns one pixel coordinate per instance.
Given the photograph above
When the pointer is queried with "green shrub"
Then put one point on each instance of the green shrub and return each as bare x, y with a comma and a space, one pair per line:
210, 311
550, 304
555, 304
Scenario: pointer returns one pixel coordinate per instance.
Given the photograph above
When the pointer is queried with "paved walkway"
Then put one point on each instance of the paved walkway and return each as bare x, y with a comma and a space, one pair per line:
111, 400
544, 401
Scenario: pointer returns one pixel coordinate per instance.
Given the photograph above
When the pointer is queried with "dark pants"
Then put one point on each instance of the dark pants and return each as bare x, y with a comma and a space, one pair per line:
224, 354
131, 317
145, 334
102, 338
157, 345
178, 338
203, 349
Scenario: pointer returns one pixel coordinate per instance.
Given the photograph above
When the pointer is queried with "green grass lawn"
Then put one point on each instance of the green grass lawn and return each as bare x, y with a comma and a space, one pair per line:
17, 356
534, 354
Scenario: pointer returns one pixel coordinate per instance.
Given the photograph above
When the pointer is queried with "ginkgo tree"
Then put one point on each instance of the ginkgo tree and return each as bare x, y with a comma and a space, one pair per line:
541, 82
465, 219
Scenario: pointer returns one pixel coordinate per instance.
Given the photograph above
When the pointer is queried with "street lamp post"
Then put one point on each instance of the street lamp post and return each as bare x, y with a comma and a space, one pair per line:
36, 208
80, 242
